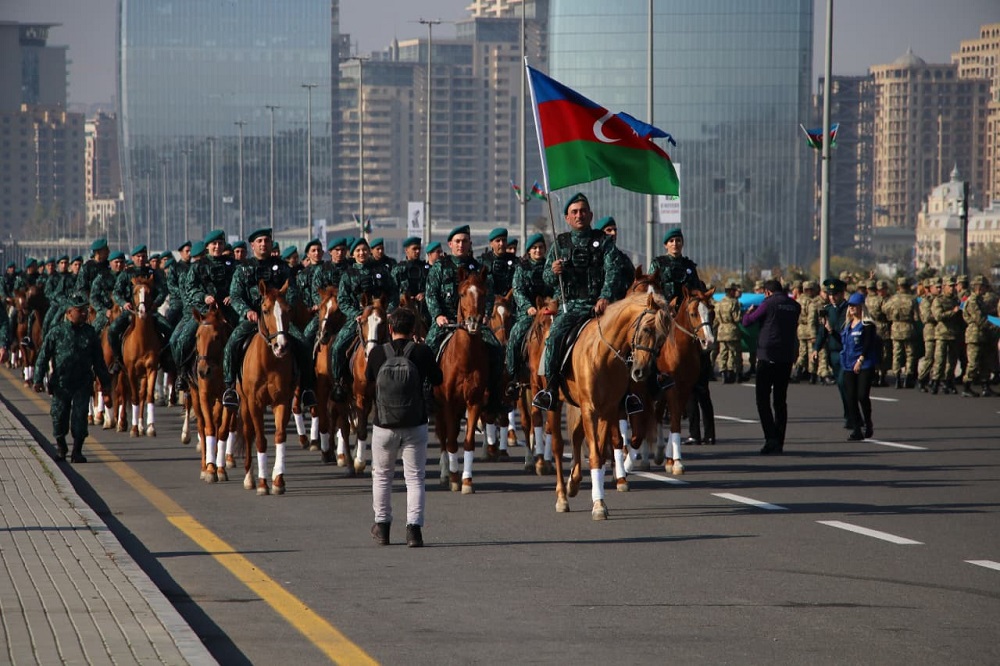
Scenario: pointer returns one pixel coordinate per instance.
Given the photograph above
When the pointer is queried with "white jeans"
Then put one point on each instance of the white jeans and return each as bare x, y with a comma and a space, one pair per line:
386, 443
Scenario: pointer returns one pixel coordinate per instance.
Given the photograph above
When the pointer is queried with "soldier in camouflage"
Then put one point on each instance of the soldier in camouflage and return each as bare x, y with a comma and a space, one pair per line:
57, 289
625, 266
178, 270
101, 289
878, 295
410, 276
122, 296
804, 367
7, 282
585, 266
327, 274
500, 265
932, 292
902, 311
976, 339
245, 297
303, 279
676, 270
529, 286
377, 247
74, 352
728, 317
947, 313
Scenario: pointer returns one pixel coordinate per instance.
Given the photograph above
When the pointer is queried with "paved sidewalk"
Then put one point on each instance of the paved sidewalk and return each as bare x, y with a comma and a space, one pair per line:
69, 593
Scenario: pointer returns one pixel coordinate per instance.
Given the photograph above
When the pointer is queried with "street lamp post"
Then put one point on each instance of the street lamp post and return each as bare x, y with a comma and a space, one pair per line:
522, 138
361, 142
430, 23
272, 108
240, 124
211, 181
149, 220
309, 131
163, 191
187, 220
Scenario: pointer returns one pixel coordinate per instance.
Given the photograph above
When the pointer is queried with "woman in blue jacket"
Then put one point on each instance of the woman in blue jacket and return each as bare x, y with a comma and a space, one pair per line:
858, 358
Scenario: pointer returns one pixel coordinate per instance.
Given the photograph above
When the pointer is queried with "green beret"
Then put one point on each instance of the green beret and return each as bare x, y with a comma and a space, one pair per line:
168, 261
198, 249
579, 196
433, 246
30, 261
289, 251
50, 260
78, 299
834, 285
340, 241
214, 235
240, 244
512, 244
375, 242
672, 233
64, 257
463, 229
187, 243
349, 240
117, 254
99, 244
533, 240
499, 232
11, 264
411, 241
257, 233
358, 242
77, 258
314, 241
138, 249
605, 222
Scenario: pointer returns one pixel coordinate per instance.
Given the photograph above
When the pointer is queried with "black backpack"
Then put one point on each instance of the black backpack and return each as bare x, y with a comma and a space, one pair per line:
398, 389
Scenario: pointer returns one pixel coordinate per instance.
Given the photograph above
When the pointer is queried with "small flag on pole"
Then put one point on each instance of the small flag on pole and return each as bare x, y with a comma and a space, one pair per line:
814, 137
537, 192
368, 224
517, 190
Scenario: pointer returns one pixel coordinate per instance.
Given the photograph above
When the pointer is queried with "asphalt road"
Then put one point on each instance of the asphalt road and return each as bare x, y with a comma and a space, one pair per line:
860, 553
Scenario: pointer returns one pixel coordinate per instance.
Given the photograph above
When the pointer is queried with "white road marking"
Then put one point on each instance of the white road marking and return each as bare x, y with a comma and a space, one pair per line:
733, 418
752, 502
749, 385
884, 399
897, 445
989, 564
657, 477
885, 536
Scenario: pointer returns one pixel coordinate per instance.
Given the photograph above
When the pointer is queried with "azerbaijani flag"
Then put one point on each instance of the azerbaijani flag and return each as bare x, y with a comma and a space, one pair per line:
537, 192
517, 190
580, 141
814, 137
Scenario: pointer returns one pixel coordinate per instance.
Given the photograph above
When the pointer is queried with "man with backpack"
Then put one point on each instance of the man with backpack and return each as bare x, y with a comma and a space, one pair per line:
398, 370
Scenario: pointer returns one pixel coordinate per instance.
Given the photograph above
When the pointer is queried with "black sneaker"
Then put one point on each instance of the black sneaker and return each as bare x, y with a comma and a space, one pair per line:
307, 399
230, 398
380, 533
543, 400
633, 405
855, 436
414, 538
61, 449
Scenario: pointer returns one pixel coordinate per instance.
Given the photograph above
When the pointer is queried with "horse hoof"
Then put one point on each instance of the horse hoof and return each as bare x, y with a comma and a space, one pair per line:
629, 464
185, 438
456, 482
341, 460
504, 455
511, 438
121, 427
304, 441
278, 483
221, 474
644, 465
492, 454
326, 457
677, 468
109, 425
360, 466
90, 420
573, 487
150, 430
548, 468
99, 418
209, 473
203, 476
600, 511
134, 431
467, 488
562, 505
659, 456
248, 482
230, 462
622, 485
529, 464
539, 466
262, 488
314, 445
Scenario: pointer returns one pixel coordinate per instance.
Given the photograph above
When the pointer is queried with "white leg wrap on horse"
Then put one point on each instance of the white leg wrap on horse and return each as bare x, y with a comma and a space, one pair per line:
675, 445
149, 413
230, 443
623, 429
314, 429
512, 419
300, 424
324, 441
261, 465
467, 464
453, 462
359, 450
90, 408
99, 407
279, 460
210, 448
341, 444
135, 414
220, 456
619, 464
597, 483
539, 433
548, 446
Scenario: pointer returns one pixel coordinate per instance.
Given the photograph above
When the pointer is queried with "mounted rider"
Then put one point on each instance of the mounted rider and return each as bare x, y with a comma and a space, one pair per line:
122, 295
676, 270
175, 277
529, 286
589, 267
326, 274
411, 277
244, 292
365, 277
57, 289
379, 256
500, 265
101, 289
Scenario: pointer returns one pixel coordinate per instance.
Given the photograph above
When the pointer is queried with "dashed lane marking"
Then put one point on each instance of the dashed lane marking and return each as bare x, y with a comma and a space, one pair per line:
767, 506
989, 564
735, 419
662, 479
874, 397
884, 536
897, 445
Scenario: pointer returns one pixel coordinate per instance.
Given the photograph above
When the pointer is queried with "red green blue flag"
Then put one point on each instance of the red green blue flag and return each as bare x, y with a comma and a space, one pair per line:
814, 137
537, 192
581, 141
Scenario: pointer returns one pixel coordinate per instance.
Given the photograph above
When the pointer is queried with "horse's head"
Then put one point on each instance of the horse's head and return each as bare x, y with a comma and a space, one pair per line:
142, 295
20, 301
645, 283
210, 338
502, 317
471, 299
649, 334
374, 323
698, 308
275, 316
331, 319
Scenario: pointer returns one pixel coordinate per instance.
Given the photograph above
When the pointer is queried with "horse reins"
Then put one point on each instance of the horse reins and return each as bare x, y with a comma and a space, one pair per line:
635, 336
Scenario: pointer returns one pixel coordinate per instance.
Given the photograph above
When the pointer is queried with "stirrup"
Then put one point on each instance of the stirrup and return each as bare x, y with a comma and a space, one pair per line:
230, 397
543, 400
26, 341
633, 405
307, 399
512, 391
339, 392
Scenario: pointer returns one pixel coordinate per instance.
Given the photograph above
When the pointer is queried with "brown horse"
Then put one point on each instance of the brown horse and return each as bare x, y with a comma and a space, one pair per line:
539, 454
419, 324
373, 328
141, 356
330, 416
500, 321
691, 332
205, 394
30, 306
465, 366
619, 347
115, 416
268, 380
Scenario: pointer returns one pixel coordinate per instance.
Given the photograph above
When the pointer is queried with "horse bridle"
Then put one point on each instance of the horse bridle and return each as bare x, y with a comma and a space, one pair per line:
635, 346
263, 332
692, 334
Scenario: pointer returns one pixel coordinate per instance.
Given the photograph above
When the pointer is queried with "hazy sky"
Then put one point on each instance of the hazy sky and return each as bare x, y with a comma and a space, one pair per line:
867, 32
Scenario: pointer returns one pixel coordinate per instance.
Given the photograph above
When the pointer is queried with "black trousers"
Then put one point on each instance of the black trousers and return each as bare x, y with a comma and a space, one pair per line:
858, 389
700, 406
772, 387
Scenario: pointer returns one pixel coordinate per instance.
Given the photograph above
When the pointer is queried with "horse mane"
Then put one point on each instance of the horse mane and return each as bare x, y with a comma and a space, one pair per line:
641, 300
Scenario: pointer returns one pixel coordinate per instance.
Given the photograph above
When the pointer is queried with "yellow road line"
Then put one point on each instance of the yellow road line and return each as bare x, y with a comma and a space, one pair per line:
331, 642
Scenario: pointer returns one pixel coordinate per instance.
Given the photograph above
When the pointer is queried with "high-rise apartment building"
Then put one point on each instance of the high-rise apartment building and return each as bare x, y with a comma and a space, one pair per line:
103, 170
928, 120
31, 71
731, 84
214, 115
979, 59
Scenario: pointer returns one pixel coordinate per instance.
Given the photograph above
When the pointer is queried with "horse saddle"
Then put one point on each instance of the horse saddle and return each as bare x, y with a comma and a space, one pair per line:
570, 342
444, 343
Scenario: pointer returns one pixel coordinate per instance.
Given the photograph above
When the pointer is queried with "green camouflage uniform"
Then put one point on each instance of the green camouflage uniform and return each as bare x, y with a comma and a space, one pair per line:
75, 355
976, 337
876, 309
175, 278
326, 274
529, 284
728, 316
411, 279
930, 336
57, 289
674, 274
21, 283
805, 333
371, 279
209, 276
89, 272
100, 297
902, 311
948, 332
122, 295
500, 268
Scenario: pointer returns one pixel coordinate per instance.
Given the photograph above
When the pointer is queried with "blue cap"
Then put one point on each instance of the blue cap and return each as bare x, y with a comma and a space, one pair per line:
257, 233
433, 246
117, 254
198, 248
314, 241
534, 239
672, 233
579, 196
358, 242
857, 298
138, 249
463, 229
214, 235
99, 244
411, 241
289, 251
499, 232
375, 242
187, 243
605, 222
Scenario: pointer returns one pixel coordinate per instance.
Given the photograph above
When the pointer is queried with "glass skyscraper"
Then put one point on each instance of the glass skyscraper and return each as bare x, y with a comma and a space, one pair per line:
731, 84
194, 75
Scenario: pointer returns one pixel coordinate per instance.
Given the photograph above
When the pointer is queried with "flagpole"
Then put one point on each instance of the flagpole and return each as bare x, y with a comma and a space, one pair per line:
649, 119
522, 137
824, 215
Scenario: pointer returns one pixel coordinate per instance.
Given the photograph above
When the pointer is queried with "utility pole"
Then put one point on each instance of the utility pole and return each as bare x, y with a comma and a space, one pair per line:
163, 191
187, 219
211, 181
241, 124
309, 182
361, 142
430, 23
271, 108
824, 205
